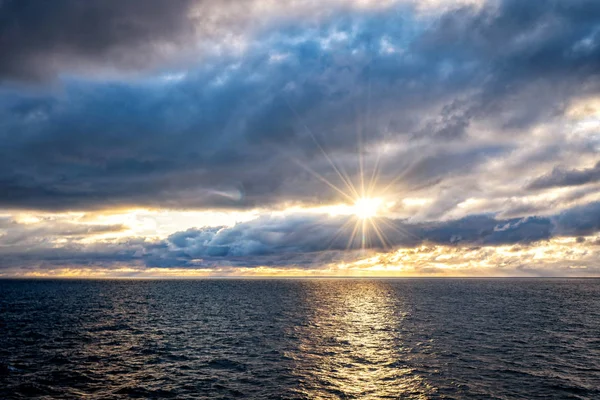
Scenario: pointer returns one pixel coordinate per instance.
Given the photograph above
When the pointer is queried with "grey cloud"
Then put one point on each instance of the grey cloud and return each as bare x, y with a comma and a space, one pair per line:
21, 236
40, 38
582, 220
560, 177
232, 131
302, 234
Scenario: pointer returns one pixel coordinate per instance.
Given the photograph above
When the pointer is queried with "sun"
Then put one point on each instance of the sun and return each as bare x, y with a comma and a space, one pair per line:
366, 207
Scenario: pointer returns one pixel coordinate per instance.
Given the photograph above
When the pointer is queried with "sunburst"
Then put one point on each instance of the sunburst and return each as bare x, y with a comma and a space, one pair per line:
366, 198
366, 207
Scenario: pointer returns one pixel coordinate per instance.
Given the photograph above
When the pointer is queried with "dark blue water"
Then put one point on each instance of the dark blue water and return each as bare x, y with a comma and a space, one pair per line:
421, 339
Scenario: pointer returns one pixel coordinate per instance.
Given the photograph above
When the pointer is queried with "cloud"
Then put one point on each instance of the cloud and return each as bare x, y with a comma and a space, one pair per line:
22, 236
447, 94
308, 239
560, 177
579, 221
42, 40
39, 38
286, 241
253, 105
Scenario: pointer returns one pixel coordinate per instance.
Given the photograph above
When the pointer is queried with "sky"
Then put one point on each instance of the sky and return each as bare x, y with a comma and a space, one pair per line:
196, 138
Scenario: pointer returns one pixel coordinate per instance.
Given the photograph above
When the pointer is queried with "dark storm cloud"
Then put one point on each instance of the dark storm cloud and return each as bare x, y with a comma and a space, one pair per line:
560, 177
70, 255
38, 39
582, 220
232, 131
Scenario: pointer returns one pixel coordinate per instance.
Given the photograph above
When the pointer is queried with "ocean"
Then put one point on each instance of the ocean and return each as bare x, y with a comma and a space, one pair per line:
300, 339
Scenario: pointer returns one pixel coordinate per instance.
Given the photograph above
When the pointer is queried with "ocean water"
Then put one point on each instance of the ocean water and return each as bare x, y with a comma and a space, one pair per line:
304, 339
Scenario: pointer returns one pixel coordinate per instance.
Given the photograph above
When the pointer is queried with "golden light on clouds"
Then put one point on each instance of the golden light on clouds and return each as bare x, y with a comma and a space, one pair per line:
149, 223
584, 108
563, 256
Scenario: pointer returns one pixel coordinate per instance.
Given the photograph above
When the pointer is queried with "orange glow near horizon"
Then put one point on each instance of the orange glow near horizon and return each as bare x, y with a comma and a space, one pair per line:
568, 254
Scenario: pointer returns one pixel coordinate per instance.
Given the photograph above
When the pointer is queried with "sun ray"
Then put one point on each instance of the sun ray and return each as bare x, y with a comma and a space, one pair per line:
339, 232
344, 179
397, 179
400, 230
411, 188
378, 233
374, 175
353, 235
361, 175
360, 190
324, 180
351, 185
363, 233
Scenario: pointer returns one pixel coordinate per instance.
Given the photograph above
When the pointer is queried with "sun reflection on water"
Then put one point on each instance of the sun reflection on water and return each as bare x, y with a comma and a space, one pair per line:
351, 346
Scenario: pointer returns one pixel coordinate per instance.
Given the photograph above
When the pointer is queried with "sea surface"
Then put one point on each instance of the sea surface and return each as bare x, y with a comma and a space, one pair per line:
301, 339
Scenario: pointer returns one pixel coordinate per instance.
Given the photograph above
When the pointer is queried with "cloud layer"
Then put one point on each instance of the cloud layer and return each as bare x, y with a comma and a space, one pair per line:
476, 122
303, 241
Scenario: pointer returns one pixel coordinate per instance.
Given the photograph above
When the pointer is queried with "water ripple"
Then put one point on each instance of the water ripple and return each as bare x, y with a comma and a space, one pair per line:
300, 339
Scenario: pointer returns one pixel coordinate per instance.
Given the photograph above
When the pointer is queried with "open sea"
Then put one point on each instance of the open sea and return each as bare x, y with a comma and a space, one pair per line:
300, 339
